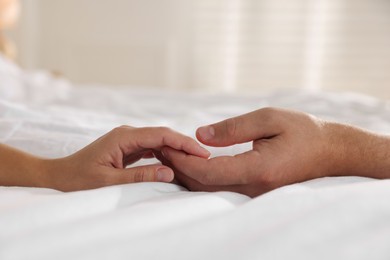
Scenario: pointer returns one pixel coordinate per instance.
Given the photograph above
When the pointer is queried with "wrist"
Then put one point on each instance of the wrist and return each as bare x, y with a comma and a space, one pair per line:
52, 173
357, 152
40, 173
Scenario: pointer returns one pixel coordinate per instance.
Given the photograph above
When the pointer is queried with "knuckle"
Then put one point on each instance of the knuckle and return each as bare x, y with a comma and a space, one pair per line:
269, 115
205, 179
119, 129
145, 174
104, 180
163, 129
187, 143
123, 127
231, 126
265, 180
140, 175
268, 112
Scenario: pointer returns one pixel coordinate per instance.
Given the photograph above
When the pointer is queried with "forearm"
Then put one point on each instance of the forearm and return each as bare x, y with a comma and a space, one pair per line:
360, 153
18, 168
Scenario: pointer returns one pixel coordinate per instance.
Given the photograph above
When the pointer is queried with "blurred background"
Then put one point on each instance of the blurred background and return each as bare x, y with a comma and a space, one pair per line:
206, 45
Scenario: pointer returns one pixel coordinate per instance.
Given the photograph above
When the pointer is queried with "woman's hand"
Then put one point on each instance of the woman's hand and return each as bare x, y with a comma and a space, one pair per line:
102, 163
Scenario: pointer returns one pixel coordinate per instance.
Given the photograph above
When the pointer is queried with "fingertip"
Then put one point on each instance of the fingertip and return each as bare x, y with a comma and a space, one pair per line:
165, 174
203, 152
165, 152
205, 133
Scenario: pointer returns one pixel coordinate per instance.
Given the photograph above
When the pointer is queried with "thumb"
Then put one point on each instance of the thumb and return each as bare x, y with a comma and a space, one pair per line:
262, 123
147, 173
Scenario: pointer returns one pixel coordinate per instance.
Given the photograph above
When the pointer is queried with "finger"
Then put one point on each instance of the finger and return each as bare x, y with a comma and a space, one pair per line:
255, 125
132, 158
147, 173
148, 155
166, 162
156, 138
224, 170
158, 155
194, 185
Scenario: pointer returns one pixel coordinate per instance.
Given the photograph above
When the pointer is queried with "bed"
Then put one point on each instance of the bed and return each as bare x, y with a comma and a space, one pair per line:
328, 218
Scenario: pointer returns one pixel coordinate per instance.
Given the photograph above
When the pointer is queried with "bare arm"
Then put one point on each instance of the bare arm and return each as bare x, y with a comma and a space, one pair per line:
359, 152
20, 169
102, 163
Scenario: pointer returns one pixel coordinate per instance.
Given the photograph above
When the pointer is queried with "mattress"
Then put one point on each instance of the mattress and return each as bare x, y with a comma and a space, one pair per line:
327, 218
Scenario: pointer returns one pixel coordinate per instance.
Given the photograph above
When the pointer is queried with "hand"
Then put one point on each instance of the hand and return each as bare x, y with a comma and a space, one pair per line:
104, 161
288, 147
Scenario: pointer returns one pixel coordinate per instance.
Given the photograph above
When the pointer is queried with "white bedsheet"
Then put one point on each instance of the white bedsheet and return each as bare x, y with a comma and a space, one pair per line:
329, 218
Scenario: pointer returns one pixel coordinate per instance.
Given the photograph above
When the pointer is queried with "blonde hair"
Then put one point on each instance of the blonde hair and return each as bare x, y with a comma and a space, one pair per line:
9, 15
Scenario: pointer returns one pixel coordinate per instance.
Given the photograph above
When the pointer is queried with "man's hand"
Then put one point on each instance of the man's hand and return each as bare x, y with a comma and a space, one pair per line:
102, 163
288, 147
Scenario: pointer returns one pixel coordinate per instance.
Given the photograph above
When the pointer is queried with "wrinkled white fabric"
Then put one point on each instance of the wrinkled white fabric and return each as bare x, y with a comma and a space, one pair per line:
329, 218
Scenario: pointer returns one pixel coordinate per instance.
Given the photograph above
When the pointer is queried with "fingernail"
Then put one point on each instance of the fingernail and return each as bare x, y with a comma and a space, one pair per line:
204, 151
164, 175
206, 132
165, 153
